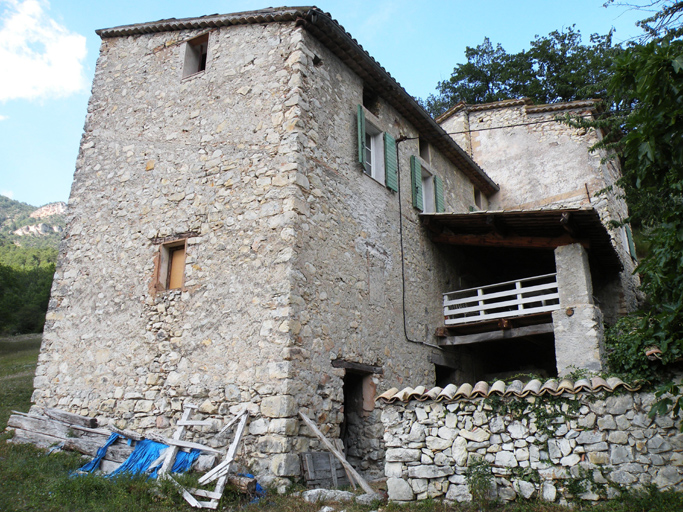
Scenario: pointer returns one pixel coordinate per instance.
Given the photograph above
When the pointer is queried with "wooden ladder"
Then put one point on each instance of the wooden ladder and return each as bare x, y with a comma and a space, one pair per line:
218, 473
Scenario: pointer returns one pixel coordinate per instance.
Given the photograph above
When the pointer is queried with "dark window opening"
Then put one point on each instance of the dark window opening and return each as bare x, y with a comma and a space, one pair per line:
317, 61
444, 375
196, 51
371, 101
424, 150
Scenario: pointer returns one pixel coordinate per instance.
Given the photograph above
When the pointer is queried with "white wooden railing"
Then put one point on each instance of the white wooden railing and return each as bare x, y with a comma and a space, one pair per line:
502, 300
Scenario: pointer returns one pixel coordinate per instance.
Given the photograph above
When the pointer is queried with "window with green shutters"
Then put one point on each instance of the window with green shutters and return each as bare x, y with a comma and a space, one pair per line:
427, 189
416, 182
390, 163
376, 152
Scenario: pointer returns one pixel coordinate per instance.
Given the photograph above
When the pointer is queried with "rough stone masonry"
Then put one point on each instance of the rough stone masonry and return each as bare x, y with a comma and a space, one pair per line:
574, 447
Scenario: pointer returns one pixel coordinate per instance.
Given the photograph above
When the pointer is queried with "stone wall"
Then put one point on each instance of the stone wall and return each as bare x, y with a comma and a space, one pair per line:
539, 162
573, 447
293, 254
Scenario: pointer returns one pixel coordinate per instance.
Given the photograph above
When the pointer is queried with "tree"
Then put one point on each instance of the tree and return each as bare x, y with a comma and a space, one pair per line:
556, 68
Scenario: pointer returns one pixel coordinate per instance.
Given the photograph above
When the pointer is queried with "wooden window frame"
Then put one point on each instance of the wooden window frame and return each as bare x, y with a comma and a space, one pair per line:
165, 265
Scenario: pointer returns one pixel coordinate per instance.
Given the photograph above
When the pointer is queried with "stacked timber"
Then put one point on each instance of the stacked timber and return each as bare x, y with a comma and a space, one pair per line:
69, 431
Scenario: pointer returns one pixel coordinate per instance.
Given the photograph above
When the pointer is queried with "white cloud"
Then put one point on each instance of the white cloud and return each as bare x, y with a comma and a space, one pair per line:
7, 193
39, 57
2, 118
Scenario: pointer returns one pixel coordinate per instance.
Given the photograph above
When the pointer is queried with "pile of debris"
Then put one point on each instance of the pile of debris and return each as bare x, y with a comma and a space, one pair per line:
115, 450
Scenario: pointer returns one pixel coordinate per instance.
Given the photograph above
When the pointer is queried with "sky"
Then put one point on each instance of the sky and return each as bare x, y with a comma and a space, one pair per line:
48, 51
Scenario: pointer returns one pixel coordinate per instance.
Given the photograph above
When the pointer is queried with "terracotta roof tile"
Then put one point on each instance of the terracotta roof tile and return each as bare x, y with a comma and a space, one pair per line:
516, 388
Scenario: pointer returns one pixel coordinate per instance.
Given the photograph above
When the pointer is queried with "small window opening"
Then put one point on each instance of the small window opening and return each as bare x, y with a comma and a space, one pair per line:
428, 196
424, 150
196, 51
477, 199
172, 265
371, 101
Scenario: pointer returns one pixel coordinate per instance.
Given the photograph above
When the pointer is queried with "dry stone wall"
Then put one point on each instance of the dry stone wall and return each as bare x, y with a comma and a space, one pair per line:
574, 447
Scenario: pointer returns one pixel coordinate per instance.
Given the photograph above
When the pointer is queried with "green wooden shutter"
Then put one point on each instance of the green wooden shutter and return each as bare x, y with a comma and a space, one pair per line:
416, 182
631, 245
438, 194
390, 163
361, 135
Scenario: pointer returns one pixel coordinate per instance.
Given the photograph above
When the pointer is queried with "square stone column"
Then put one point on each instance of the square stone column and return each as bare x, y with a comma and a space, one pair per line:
577, 325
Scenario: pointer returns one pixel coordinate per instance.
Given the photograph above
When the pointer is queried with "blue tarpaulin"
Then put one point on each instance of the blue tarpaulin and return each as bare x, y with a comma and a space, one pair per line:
144, 454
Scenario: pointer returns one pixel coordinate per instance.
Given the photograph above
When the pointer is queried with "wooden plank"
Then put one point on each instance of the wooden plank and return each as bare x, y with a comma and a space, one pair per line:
173, 449
526, 242
333, 472
130, 434
205, 494
502, 304
181, 444
496, 295
339, 445
208, 476
336, 453
232, 451
71, 418
116, 452
350, 365
516, 332
194, 423
230, 423
42, 426
188, 497
504, 314
222, 469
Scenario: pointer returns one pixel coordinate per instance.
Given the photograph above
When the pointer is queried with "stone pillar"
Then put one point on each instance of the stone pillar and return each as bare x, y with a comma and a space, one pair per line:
577, 324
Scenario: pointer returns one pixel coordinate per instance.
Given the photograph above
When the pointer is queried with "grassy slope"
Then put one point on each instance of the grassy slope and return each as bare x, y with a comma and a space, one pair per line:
31, 480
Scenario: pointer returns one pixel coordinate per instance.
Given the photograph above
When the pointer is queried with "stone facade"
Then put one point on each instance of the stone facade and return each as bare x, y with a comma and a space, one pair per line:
540, 162
307, 285
575, 447
293, 254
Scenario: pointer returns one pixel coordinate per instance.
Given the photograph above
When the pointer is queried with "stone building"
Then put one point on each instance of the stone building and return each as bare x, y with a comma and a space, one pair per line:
252, 225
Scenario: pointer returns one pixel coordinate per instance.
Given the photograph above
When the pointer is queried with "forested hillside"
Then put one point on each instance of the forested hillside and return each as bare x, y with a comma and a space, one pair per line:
27, 265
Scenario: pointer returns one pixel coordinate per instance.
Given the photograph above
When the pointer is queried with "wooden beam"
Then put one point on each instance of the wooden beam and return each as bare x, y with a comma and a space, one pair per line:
364, 485
521, 242
71, 418
443, 359
516, 332
359, 367
568, 224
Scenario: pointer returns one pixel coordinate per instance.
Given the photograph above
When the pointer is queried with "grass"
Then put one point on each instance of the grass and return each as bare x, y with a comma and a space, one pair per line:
32, 480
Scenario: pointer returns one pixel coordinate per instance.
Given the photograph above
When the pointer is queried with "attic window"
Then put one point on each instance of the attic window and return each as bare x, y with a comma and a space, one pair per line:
371, 101
477, 199
424, 150
196, 51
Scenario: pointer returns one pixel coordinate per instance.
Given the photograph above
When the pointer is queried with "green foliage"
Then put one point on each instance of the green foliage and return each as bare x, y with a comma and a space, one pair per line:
556, 68
626, 345
480, 481
24, 297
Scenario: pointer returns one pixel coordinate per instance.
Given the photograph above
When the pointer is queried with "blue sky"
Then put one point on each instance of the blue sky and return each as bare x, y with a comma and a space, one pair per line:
48, 52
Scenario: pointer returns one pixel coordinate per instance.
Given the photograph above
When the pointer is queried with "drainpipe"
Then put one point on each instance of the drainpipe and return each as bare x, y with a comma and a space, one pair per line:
403, 264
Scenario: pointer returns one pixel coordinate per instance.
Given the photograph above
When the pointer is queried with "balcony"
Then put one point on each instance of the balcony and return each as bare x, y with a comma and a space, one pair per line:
509, 299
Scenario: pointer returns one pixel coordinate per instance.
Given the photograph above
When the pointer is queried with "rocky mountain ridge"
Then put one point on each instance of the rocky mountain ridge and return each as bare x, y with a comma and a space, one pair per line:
20, 223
